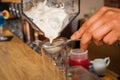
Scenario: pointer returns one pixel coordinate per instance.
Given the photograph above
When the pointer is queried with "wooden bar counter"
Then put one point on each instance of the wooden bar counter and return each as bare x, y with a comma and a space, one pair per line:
19, 62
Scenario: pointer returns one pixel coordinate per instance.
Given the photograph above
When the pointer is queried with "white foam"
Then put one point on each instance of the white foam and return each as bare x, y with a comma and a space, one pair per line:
50, 20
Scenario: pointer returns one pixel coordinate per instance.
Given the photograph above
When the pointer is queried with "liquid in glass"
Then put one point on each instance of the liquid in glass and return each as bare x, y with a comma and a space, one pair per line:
79, 58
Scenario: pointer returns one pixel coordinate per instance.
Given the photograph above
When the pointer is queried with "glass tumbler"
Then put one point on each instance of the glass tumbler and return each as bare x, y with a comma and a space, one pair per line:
57, 52
80, 73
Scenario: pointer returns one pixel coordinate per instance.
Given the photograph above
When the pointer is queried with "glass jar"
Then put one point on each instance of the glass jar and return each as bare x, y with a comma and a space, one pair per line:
79, 58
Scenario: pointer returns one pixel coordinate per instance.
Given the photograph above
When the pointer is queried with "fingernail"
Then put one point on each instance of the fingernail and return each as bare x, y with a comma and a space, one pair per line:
73, 36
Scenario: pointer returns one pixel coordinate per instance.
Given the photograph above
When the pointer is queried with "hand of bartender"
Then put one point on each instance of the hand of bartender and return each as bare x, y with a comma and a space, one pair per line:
102, 27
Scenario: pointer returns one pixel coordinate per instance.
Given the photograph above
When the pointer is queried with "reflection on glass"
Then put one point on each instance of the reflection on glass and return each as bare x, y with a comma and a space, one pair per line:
80, 73
56, 52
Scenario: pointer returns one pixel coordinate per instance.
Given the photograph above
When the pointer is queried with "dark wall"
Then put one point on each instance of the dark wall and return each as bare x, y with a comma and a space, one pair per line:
4, 6
112, 3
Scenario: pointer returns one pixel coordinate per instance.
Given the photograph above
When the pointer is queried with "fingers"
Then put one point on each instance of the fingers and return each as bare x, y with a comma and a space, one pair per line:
88, 23
110, 20
97, 15
85, 40
102, 31
110, 38
93, 32
101, 27
96, 33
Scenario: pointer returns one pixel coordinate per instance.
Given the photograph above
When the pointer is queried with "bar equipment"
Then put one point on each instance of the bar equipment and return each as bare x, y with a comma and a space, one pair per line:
15, 9
49, 18
56, 52
32, 9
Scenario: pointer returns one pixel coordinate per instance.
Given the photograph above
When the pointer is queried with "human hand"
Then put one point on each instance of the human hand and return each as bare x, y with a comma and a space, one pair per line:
103, 26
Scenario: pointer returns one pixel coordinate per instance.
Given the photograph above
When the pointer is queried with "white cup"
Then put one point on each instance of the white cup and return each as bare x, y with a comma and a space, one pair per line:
100, 65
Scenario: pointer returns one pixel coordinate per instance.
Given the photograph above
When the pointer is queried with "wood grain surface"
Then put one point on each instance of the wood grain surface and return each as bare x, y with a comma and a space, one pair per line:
16, 1
19, 62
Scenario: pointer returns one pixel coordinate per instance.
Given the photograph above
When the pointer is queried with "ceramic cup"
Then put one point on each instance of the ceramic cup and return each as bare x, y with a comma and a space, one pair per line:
100, 65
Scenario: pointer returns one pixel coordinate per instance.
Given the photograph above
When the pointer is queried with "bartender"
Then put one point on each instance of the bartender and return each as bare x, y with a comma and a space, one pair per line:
102, 27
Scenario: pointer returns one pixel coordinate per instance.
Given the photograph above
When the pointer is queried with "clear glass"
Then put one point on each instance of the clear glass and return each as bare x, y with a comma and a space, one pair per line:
80, 73
71, 7
57, 52
2, 22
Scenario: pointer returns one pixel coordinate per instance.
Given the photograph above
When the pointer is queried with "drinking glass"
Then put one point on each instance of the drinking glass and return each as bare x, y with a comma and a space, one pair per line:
56, 51
79, 58
80, 73
2, 22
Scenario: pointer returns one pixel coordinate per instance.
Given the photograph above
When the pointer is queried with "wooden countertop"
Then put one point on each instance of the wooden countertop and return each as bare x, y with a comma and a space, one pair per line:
19, 62
6, 1
111, 74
